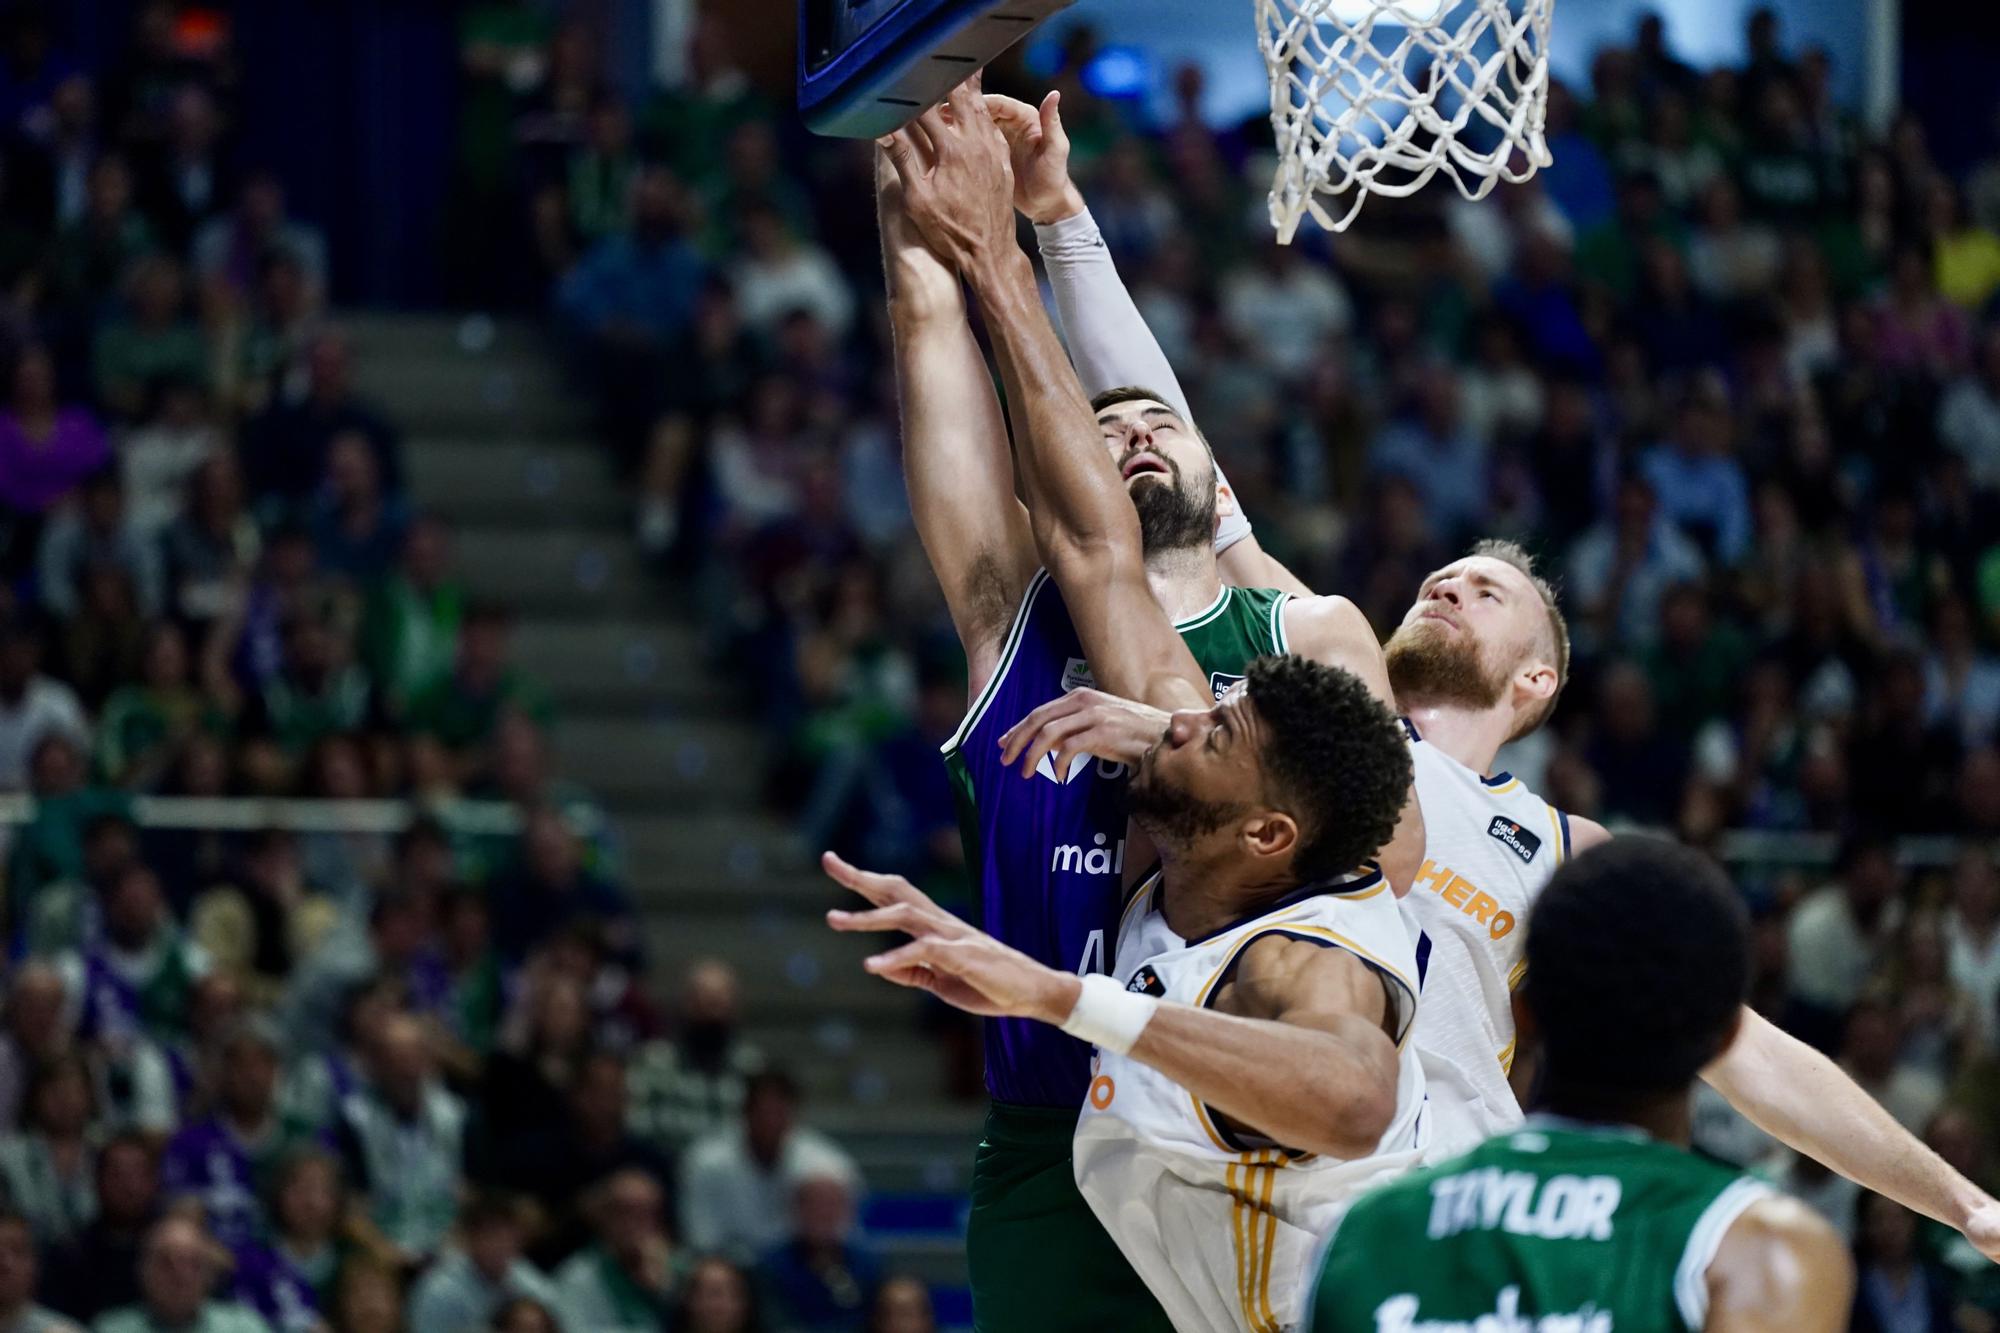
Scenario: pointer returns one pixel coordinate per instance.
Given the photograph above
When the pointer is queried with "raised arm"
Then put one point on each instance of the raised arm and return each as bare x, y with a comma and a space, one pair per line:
1307, 1064
956, 462
1806, 1101
1108, 338
958, 188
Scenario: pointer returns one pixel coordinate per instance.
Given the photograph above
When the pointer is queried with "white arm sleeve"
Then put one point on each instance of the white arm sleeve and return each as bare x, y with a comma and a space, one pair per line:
1109, 341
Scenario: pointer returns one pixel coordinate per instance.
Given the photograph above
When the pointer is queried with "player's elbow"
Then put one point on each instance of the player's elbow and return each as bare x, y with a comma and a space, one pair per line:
1359, 1107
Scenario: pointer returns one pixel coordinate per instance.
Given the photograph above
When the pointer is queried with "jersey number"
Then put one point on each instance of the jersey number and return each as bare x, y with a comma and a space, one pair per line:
1093, 955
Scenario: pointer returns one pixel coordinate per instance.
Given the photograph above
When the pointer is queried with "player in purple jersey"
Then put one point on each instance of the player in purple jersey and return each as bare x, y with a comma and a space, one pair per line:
1049, 848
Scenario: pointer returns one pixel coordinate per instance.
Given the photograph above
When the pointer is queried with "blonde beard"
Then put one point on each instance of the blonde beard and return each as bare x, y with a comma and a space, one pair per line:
1428, 667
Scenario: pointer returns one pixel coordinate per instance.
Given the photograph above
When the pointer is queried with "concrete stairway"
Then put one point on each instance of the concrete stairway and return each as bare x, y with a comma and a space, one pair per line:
499, 445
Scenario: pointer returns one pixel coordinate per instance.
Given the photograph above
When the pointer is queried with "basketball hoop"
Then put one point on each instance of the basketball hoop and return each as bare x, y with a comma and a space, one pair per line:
1371, 97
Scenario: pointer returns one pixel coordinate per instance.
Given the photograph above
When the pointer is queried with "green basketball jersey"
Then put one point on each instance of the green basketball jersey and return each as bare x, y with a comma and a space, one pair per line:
1557, 1227
1047, 852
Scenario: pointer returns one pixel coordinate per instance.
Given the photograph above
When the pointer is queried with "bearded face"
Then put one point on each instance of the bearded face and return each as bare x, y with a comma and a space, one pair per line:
1431, 662
1176, 511
1171, 815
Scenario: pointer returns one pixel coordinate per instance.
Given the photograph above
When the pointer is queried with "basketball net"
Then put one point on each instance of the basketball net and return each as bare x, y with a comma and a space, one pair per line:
1371, 96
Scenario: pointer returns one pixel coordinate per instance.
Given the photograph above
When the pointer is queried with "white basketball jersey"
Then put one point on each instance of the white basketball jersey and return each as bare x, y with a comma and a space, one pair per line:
1224, 1230
1490, 846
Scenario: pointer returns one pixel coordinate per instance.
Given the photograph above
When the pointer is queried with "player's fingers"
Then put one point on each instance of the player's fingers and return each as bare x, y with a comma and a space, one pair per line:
1050, 738
1053, 132
896, 916
917, 953
901, 154
1023, 731
968, 104
937, 131
878, 889
1015, 118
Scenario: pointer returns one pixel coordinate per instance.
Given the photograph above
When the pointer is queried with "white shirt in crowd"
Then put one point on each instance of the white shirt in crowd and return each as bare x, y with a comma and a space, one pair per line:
45, 706
1831, 956
1974, 966
730, 1202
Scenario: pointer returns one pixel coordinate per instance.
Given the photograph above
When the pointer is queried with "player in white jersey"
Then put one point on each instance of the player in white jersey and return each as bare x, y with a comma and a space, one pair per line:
1492, 849
1785, 1087
1221, 1222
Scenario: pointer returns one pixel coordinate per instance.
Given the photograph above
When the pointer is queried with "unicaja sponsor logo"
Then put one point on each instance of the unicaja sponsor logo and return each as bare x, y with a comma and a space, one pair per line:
1104, 857
1398, 1314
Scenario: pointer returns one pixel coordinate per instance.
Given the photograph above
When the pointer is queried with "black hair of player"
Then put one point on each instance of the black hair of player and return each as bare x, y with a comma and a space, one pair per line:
1638, 958
1336, 759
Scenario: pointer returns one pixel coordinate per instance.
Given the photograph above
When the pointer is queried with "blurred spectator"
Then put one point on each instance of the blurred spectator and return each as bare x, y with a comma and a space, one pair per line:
19, 1282
225, 1162
480, 1274
1933, 1010
402, 1136
737, 1183
1869, 1052
781, 273
693, 1084
1969, 414
524, 1314
1621, 567
289, 1279
150, 350
625, 1281
1966, 255
357, 528
1972, 939
141, 968
1434, 451
551, 889
525, 1084
60, 143
229, 250
634, 291
1639, 765
46, 450
287, 447
94, 536
1896, 1288
586, 1140
368, 1298
178, 1267
184, 182
92, 252
820, 1279
98, 1268
212, 546
1840, 933
463, 708
1916, 330
49, 1166
397, 946
902, 1305
717, 1298
1285, 308
1699, 482
32, 706
410, 628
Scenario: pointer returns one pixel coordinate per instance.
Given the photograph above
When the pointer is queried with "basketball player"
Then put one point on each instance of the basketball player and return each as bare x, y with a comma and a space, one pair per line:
1051, 853
1478, 660
1594, 1216
1255, 1067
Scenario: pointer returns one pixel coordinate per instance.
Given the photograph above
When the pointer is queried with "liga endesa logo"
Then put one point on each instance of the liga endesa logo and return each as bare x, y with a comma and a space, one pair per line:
1516, 839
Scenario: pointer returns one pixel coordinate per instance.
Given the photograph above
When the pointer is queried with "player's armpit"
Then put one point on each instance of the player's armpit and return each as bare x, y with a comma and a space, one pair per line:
1780, 1269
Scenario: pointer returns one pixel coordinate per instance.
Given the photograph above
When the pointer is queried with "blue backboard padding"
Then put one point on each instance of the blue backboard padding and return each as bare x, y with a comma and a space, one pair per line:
913, 54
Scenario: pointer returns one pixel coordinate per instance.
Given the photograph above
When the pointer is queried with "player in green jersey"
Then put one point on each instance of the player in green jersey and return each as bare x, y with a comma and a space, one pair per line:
1593, 1217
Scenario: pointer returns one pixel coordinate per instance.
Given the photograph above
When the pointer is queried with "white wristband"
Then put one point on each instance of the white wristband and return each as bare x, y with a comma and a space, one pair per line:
1108, 1016
1234, 524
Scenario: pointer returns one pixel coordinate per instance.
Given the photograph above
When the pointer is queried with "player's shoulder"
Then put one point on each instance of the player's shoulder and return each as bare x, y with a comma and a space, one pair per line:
1783, 1261
1321, 621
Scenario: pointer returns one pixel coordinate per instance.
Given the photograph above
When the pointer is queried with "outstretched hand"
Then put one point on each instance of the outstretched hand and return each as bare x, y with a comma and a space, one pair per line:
961, 965
958, 183
1083, 721
1039, 149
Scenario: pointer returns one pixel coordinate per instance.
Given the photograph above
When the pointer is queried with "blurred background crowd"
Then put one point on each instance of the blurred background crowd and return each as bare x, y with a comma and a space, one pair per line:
1731, 367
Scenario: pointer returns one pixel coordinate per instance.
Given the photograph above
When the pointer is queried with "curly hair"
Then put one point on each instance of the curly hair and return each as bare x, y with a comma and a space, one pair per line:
1638, 959
1337, 759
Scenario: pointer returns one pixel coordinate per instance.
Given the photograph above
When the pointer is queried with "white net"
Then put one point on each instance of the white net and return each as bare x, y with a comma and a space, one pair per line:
1377, 96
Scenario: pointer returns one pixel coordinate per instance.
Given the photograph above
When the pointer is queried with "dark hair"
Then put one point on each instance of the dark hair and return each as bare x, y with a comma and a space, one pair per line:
1336, 757
1513, 553
753, 1319
1139, 393
1638, 958
47, 1072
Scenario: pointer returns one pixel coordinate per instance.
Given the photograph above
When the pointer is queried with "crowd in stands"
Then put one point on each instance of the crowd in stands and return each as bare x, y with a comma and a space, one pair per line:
353, 1077
1730, 367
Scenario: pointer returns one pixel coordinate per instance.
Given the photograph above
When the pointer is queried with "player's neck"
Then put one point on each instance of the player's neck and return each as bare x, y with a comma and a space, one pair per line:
1668, 1118
1184, 581
1200, 898
1472, 737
